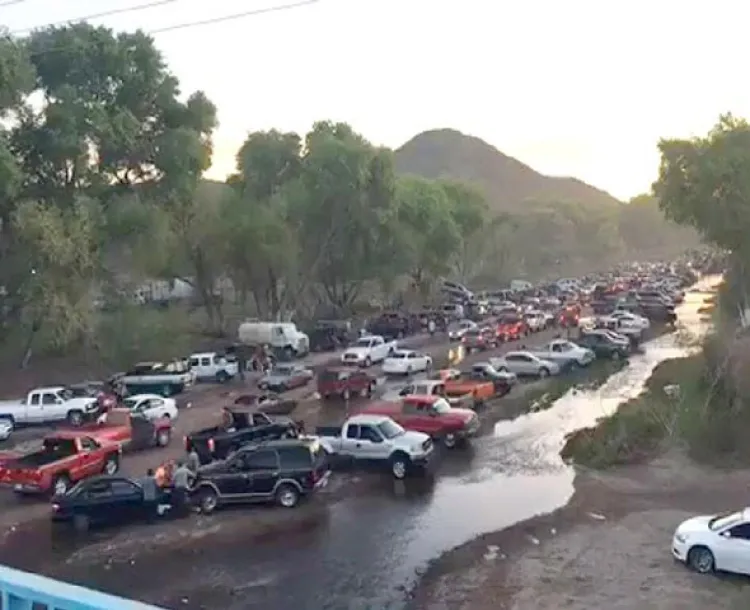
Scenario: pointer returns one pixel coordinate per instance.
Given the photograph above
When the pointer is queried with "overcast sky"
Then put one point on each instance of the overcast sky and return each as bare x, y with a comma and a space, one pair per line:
582, 88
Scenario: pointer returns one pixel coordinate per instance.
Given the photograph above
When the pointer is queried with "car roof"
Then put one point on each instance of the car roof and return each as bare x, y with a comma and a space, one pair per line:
143, 397
367, 418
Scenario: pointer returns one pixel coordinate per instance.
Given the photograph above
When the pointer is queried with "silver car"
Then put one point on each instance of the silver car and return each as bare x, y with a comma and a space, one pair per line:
525, 364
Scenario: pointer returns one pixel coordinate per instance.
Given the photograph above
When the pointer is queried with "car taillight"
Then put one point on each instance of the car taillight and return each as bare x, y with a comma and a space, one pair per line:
211, 445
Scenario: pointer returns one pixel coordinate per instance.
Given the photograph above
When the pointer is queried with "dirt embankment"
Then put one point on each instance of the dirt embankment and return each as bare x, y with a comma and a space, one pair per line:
608, 548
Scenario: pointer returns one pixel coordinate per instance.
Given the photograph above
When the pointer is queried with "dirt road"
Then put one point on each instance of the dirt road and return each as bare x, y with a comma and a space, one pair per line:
608, 548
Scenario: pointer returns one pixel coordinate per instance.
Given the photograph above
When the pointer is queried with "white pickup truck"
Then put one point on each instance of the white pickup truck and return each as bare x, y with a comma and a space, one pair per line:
43, 405
368, 350
210, 366
377, 440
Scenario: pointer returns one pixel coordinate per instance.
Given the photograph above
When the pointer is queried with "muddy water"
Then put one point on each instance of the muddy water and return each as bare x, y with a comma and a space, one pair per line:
370, 549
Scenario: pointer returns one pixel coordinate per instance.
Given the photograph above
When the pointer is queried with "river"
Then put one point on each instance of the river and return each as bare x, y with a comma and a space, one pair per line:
371, 549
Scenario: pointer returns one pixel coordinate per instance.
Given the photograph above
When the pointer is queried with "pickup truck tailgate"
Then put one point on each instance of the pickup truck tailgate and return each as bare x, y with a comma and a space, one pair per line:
20, 477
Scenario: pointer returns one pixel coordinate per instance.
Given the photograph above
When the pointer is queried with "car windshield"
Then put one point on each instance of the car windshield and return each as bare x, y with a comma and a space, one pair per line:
390, 429
724, 520
282, 371
362, 343
66, 394
441, 406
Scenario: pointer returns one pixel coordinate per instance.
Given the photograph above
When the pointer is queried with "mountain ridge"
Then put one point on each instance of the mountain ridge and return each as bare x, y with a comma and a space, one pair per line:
507, 183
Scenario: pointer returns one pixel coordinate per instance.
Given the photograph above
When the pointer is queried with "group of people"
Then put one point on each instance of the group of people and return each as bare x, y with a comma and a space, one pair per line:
167, 489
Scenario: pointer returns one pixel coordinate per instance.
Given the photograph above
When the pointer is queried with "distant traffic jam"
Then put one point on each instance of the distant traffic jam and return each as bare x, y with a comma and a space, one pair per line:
261, 450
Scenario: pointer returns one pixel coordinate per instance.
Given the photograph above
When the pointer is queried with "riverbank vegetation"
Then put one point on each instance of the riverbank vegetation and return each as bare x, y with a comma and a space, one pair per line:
702, 401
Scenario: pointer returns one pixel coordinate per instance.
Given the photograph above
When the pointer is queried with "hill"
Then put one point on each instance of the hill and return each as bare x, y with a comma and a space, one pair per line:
507, 183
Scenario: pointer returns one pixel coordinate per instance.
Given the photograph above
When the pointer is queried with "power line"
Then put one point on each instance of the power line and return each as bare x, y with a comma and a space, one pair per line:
194, 24
117, 11
235, 16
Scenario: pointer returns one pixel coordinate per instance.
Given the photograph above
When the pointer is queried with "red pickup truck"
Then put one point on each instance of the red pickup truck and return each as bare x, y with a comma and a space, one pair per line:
65, 458
432, 415
132, 432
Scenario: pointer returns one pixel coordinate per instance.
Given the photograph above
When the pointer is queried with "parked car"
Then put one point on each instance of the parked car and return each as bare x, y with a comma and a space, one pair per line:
432, 415
630, 319
525, 364
503, 381
368, 350
65, 458
603, 344
511, 327
406, 362
564, 353
49, 405
130, 431
281, 471
714, 543
218, 442
152, 406
345, 382
210, 366
479, 339
377, 441
101, 500
438, 387
456, 332
535, 320
157, 378
283, 377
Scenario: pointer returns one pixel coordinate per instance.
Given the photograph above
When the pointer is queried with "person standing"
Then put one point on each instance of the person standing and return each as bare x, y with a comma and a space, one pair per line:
193, 461
151, 494
181, 482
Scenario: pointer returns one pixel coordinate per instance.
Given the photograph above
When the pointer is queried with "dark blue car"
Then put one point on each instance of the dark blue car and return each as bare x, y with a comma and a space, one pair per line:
102, 500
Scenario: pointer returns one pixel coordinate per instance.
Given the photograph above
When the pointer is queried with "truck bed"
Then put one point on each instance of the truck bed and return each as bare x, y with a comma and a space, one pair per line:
35, 460
328, 431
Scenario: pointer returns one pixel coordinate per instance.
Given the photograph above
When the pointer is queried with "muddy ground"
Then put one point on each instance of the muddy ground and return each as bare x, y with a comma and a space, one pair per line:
608, 548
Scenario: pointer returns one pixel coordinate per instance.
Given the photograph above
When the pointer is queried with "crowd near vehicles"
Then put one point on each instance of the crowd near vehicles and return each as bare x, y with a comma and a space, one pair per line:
259, 453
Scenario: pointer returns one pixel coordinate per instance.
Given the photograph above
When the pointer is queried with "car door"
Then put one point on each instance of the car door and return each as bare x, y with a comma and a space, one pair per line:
372, 445
262, 470
155, 408
89, 459
34, 409
515, 364
97, 502
733, 549
378, 349
51, 408
127, 500
418, 416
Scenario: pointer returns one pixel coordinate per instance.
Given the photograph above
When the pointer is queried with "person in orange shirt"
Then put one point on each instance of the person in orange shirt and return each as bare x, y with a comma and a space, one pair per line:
163, 474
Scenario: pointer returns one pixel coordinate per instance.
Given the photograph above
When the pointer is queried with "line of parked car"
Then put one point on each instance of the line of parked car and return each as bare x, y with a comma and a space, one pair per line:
260, 454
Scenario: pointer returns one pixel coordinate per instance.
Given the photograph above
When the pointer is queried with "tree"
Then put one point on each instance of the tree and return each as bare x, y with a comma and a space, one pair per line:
469, 211
111, 116
346, 209
429, 235
705, 183
61, 259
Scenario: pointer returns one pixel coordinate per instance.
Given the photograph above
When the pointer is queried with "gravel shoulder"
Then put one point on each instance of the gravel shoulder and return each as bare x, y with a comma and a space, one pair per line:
608, 548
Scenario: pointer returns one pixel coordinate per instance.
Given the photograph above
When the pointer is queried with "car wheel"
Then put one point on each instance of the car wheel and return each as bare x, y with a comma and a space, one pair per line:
287, 495
81, 523
208, 500
111, 466
450, 440
346, 395
543, 372
222, 377
399, 466
282, 388
408, 370
701, 560
75, 418
368, 362
163, 437
61, 484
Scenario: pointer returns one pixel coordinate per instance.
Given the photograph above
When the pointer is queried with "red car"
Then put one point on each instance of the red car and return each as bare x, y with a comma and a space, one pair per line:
570, 316
432, 415
511, 328
345, 382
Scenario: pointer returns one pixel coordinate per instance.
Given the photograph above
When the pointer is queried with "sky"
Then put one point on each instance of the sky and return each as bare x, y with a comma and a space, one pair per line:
581, 88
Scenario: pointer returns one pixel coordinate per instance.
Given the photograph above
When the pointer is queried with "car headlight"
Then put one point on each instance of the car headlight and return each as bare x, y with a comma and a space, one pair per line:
681, 538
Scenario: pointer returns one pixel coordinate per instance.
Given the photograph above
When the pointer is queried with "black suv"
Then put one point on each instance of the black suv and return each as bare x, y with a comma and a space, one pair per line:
281, 471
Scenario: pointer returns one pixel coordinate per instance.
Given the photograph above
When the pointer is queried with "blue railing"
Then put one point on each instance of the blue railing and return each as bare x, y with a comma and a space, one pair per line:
24, 591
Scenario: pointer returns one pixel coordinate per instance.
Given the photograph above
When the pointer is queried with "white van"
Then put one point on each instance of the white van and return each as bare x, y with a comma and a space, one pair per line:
283, 336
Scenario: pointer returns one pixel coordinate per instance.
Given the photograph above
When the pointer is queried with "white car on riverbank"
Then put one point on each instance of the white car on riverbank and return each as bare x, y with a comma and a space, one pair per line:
406, 362
715, 542
525, 364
